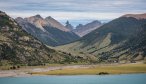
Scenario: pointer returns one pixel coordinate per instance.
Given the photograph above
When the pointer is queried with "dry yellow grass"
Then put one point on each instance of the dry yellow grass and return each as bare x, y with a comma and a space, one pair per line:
115, 69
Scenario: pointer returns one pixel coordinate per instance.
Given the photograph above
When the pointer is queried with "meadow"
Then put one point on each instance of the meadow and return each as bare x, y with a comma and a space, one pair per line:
97, 70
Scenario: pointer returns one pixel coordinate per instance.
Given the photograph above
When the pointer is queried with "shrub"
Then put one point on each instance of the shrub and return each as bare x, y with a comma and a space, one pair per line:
18, 66
13, 67
103, 73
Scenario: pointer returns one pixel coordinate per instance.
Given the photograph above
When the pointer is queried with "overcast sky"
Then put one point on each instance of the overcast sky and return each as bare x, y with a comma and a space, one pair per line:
76, 11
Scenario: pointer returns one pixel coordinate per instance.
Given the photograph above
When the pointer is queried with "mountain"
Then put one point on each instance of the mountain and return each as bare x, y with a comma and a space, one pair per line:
48, 30
69, 26
137, 16
56, 24
19, 47
121, 40
82, 30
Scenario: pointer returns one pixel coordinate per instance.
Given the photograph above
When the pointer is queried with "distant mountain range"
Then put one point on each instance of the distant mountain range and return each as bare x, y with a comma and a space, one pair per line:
51, 32
48, 30
82, 30
121, 40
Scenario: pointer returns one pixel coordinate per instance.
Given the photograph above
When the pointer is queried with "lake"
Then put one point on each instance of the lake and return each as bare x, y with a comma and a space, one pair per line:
77, 79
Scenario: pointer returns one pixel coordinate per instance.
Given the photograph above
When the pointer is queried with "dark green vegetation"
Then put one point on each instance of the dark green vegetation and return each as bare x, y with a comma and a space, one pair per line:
121, 40
19, 47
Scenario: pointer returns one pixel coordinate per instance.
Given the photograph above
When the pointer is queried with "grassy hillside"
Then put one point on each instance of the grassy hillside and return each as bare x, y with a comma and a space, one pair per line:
19, 47
120, 40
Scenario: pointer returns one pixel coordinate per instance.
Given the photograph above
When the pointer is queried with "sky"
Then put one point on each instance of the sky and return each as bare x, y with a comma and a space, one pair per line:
76, 11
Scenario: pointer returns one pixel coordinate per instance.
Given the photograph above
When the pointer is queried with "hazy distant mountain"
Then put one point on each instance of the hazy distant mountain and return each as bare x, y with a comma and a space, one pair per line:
82, 30
69, 26
19, 47
121, 40
48, 30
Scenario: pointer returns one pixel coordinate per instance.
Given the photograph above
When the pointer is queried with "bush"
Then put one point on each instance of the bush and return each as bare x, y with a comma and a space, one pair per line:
13, 67
103, 73
18, 66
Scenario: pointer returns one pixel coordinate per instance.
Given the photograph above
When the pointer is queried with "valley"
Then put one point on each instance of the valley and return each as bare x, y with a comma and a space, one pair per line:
108, 47
120, 41
72, 41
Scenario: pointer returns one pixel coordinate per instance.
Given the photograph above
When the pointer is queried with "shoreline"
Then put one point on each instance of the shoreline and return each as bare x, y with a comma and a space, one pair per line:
114, 69
29, 75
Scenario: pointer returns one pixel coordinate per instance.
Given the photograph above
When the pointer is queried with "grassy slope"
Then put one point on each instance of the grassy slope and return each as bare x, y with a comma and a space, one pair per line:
103, 43
19, 47
116, 69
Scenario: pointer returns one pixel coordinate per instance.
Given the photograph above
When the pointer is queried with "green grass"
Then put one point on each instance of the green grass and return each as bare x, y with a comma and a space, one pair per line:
115, 69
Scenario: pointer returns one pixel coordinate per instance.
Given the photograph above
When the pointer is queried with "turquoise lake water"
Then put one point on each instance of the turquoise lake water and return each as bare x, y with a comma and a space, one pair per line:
78, 79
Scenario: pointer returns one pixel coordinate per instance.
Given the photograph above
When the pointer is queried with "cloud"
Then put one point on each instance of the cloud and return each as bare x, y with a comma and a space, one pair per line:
67, 15
75, 5
73, 9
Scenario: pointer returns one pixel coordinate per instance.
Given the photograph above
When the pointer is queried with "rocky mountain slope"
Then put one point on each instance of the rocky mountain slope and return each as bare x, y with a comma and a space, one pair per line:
82, 30
137, 16
19, 47
54, 23
121, 40
48, 30
69, 26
